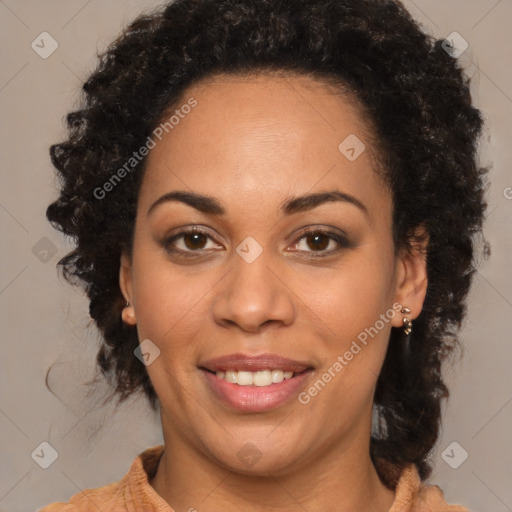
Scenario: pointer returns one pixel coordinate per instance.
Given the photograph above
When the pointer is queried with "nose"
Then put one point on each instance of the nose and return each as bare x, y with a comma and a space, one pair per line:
254, 295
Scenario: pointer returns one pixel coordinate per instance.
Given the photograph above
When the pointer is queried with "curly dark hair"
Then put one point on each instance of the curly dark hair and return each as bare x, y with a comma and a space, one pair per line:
418, 100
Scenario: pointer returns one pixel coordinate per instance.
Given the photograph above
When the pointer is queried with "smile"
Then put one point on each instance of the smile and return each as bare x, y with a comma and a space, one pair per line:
255, 391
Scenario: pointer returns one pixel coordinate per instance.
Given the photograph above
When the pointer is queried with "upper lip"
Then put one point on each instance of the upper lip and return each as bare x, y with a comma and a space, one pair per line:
254, 363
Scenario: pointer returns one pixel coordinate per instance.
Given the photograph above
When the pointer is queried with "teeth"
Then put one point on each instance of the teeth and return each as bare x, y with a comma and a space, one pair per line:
262, 378
230, 376
244, 378
277, 376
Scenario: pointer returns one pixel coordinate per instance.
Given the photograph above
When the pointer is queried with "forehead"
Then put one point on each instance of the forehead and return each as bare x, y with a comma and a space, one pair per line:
287, 134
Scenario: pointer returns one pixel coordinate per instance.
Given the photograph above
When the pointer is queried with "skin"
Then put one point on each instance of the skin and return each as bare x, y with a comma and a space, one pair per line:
252, 143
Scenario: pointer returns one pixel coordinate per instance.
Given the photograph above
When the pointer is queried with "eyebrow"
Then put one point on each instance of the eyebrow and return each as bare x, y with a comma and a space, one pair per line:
210, 205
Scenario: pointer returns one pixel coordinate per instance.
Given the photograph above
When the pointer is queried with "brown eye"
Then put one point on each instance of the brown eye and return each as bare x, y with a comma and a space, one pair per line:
318, 241
194, 240
189, 243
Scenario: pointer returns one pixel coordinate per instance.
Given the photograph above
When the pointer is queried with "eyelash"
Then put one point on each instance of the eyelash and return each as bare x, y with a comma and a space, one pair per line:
341, 240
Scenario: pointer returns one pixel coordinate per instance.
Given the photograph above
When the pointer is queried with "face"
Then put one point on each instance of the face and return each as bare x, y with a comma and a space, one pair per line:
276, 257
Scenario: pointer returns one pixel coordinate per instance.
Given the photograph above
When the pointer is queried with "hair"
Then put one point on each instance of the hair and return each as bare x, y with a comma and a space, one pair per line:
418, 101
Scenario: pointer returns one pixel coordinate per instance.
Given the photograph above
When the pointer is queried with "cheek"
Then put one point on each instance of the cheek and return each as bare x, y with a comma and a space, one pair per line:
168, 303
168, 312
348, 305
353, 297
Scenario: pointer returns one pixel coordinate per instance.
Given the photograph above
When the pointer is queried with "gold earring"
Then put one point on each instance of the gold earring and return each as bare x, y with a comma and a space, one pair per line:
407, 323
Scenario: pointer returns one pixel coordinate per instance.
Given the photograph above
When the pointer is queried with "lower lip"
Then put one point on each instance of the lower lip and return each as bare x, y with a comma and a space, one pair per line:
255, 398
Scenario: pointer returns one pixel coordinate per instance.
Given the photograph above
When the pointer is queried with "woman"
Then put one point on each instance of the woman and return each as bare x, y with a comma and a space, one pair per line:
274, 205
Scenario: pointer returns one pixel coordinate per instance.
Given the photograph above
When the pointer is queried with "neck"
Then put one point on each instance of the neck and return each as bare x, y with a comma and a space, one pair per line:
342, 478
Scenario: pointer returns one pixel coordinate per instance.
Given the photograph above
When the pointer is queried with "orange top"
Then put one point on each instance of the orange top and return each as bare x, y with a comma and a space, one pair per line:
133, 493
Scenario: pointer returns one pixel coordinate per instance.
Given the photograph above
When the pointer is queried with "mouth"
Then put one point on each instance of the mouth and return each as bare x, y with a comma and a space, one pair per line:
254, 383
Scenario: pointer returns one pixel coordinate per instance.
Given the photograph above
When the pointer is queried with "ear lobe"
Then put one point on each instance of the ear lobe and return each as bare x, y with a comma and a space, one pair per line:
412, 280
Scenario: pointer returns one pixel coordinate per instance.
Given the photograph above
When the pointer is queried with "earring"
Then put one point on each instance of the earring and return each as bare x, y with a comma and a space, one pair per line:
407, 323
127, 315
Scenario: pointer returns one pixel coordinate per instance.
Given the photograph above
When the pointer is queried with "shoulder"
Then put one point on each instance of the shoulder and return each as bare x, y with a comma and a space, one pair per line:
411, 495
83, 500
126, 495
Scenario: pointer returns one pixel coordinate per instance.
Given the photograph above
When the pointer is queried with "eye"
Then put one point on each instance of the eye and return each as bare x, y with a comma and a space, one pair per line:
186, 243
319, 240
192, 242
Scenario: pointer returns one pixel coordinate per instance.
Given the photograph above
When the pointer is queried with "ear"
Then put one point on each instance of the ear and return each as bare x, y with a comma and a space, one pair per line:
126, 285
411, 276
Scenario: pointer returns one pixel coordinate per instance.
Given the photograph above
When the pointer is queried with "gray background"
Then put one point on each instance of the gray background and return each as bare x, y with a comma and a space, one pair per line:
45, 321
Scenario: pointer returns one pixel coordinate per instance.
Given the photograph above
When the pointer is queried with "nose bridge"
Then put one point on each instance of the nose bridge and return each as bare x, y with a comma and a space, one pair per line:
252, 293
